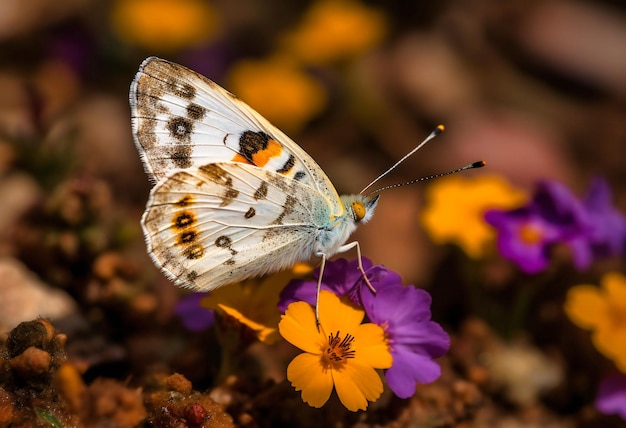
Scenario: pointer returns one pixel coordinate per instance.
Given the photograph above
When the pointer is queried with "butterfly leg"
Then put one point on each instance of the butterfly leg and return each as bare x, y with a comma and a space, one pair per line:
349, 246
319, 287
341, 249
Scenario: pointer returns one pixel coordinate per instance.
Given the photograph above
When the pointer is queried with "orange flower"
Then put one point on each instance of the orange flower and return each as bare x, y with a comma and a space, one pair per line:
335, 29
253, 303
164, 25
603, 311
279, 90
455, 208
342, 353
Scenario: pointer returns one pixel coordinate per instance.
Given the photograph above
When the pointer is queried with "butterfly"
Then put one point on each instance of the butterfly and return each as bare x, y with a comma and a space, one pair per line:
234, 197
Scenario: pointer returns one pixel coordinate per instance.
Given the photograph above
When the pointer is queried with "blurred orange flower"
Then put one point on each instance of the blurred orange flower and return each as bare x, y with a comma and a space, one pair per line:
455, 208
279, 90
335, 29
163, 25
603, 311
253, 303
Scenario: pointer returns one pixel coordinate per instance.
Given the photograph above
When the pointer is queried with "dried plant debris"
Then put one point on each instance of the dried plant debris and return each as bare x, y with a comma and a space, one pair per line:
40, 387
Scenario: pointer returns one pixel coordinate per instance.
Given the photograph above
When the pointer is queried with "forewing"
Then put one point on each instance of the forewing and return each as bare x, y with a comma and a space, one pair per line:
224, 222
182, 120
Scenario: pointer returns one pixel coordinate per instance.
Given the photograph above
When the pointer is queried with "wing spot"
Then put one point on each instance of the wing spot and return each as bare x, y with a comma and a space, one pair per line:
185, 201
181, 156
187, 237
288, 165
217, 174
181, 89
252, 142
299, 175
250, 213
195, 111
261, 192
257, 148
223, 241
184, 220
180, 128
290, 203
230, 262
229, 195
194, 252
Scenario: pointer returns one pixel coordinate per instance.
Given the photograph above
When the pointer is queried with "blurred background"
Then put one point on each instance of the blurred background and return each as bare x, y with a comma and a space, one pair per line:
537, 89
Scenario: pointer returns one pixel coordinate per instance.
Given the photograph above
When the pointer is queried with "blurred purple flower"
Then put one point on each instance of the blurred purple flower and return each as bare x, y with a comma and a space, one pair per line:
193, 316
73, 45
611, 398
608, 226
211, 60
402, 311
554, 215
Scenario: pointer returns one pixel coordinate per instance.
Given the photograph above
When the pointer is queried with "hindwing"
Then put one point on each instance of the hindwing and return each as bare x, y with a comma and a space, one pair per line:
224, 222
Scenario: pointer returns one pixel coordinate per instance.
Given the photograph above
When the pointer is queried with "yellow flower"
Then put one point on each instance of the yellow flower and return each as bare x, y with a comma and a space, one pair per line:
603, 311
335, 29
279, 90
164, 25
343, 353
455, 208
252, 303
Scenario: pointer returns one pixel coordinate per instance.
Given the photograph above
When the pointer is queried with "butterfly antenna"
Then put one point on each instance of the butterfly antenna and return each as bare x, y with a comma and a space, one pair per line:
438, 130
474, 165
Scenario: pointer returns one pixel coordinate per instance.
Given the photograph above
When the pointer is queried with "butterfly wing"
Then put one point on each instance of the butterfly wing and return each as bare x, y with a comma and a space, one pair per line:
182, 120
224, 222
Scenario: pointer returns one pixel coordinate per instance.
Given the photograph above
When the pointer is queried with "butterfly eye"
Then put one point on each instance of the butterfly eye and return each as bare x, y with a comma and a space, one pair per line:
359, 210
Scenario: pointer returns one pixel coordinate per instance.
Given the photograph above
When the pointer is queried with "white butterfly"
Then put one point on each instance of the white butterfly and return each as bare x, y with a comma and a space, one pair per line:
234, 197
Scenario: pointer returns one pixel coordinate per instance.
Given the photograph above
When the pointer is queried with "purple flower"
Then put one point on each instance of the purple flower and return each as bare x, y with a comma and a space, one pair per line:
611, 398
403, 312
193, 316
608, 226
341, 277
212, 60
526, 235
414, 339
74, 46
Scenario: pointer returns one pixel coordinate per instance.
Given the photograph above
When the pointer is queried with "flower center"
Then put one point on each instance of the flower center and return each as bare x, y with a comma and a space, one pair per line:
339, 348
529, 234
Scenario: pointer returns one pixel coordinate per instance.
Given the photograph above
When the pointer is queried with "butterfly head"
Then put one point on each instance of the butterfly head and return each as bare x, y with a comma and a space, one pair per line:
361, 207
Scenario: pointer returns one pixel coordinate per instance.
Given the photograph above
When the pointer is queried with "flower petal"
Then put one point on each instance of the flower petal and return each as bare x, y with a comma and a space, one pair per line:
371, 347
427, 338
408, 370
298, 291
193, 316
298, 327
615, 286
336, 315
612, 395
585, 306
611, 342
356, 384
264, 333
307, 374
